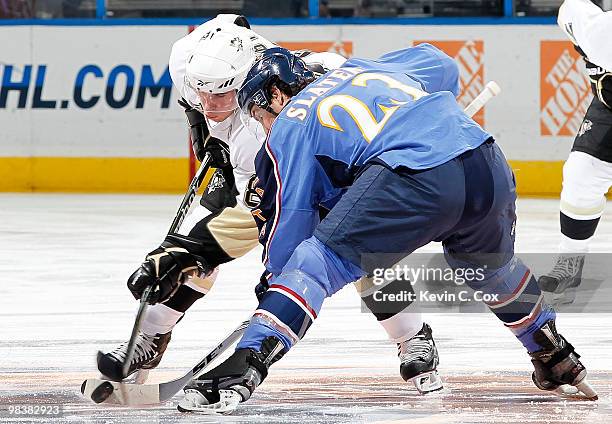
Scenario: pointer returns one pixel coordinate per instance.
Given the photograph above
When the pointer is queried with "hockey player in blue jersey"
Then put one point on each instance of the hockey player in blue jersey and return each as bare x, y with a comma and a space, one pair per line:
387, 144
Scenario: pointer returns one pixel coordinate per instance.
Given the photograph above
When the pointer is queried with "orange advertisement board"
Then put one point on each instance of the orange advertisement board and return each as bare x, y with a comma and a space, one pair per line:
469, 55
564, 89
345, 48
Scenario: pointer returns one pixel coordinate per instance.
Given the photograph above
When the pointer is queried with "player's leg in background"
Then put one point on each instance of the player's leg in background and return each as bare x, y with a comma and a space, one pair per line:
416, 348
587, 176
484, 241
586, 181
407, 330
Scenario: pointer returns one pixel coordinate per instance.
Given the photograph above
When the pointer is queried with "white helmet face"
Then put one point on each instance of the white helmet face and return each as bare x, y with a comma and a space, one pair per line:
218, 65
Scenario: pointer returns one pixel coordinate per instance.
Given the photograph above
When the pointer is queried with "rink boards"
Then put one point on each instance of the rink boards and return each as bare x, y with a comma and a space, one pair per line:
92, 108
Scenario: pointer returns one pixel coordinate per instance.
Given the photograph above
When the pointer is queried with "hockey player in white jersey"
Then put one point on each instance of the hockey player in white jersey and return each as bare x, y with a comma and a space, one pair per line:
587, 173
207, 66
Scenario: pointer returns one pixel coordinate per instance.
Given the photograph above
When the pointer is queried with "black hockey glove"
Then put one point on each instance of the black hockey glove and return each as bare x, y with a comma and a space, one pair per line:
201, 141
262, 287
219, 152
166, 268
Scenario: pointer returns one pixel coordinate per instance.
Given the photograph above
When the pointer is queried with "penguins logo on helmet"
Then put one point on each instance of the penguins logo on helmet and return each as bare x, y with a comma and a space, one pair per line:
236, 43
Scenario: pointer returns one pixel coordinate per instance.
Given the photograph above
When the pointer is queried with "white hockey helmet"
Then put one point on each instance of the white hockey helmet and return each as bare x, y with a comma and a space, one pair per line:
218, 66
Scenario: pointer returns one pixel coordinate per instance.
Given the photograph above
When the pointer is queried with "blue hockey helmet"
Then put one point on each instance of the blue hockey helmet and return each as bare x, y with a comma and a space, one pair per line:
276, 66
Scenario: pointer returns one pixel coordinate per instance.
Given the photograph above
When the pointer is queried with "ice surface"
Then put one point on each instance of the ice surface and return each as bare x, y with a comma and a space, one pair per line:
64, 260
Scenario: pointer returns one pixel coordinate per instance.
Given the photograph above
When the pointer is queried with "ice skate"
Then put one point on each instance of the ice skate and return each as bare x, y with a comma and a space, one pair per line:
560, 283
419, 360
147, 354
557, 367
220, 390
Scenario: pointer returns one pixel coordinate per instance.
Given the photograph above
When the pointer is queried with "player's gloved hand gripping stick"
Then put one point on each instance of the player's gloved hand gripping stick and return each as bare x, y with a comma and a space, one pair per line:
192, 191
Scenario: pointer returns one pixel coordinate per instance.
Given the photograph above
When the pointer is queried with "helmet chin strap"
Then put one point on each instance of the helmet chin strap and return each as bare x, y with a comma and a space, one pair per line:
268, 108
285, 99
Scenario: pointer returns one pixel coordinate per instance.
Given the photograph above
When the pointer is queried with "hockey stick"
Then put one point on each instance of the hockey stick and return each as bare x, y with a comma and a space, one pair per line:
491, 90
192, 191
144, 299
131, 394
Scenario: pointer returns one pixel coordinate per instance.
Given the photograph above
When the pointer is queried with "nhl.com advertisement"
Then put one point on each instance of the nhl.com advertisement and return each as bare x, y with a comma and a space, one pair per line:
119, 86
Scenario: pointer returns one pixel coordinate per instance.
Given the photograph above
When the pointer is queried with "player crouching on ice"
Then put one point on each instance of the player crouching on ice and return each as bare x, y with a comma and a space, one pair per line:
417, 170
207, 67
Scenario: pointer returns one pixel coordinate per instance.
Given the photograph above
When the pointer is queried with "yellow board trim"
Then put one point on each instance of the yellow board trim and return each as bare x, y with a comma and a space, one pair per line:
538, 178
94, 175
171, 175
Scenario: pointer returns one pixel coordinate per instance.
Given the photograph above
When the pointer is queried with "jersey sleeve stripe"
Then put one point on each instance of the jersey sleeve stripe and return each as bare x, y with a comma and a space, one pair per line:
279, 189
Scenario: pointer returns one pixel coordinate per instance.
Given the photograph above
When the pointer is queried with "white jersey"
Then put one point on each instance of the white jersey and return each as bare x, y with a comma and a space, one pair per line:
243, 142
590, 28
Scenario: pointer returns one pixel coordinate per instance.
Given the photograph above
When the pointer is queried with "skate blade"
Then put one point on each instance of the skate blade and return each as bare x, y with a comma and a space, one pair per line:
427, 382
566, 297
228, 402
581, 391
588, 391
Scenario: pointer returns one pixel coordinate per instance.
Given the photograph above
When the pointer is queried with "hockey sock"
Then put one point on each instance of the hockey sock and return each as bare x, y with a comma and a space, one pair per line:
285, 311
576, 234
517, 301
403, 326
400, 326
160, 319
569, 245
187, 294
295, 297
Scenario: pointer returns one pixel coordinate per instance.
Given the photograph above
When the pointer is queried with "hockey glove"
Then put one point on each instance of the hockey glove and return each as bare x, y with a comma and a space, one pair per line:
201, 141
166, 268
219, 152
262, 287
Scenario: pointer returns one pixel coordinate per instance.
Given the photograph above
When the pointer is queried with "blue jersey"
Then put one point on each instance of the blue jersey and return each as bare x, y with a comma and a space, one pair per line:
399, 109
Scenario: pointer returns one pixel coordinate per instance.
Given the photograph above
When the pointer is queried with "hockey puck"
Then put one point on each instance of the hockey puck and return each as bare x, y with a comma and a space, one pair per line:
102, 392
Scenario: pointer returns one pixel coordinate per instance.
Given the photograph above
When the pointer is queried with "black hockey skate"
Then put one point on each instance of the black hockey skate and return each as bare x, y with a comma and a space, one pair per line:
557, 365
148, 351
419, 361
221, 389
560, 283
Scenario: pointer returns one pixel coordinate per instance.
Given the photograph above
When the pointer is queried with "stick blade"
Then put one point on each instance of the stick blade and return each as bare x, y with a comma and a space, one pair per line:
99, 391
